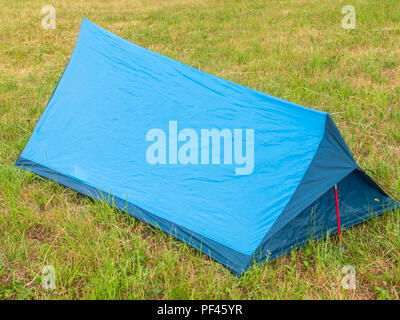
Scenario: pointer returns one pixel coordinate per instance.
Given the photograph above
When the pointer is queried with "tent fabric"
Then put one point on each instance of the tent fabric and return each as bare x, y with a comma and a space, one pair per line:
94, 137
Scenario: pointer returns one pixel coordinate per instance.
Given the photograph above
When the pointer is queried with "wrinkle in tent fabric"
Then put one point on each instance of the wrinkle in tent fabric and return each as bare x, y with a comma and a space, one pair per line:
116, 99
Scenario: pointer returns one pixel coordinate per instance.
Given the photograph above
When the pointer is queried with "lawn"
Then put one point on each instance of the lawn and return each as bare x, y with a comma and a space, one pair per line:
295, 50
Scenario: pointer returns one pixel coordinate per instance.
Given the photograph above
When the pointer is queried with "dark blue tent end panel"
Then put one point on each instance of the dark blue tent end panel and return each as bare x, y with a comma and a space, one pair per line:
229, 170
360, 199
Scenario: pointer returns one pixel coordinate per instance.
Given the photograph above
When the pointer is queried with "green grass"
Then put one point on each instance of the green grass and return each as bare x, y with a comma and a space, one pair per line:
295, 50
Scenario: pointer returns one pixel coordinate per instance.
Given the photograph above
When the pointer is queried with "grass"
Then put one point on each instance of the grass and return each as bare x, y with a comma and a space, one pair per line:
295, 50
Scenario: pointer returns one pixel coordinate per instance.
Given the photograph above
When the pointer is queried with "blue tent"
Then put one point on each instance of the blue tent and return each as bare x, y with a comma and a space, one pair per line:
236, 173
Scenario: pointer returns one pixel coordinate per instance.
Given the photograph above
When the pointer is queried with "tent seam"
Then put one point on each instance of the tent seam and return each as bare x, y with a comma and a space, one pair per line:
305, 173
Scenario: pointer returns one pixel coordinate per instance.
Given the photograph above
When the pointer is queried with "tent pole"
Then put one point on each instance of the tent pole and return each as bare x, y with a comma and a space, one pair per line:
337, 212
